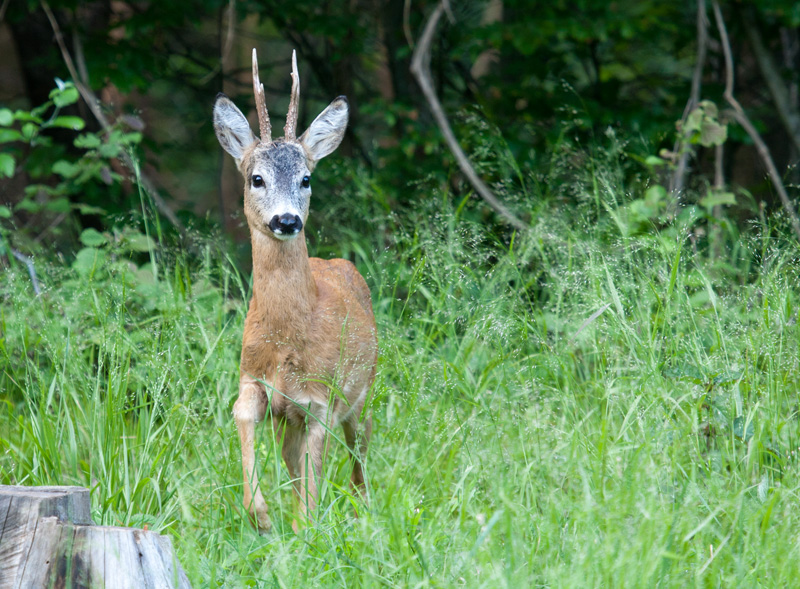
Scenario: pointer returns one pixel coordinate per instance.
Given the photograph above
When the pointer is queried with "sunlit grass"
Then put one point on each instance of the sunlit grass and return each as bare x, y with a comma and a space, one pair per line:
572, 407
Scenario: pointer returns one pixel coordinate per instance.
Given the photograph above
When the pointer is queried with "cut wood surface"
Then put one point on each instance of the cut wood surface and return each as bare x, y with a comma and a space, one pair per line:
48, 539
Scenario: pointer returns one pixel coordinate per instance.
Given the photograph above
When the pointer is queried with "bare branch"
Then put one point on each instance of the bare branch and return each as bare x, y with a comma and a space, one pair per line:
681, 145
290, 129
94, 105
780, 93
719, 173
406, 23
741, 117
80, 58
228, 44
264, 126
31, 270
420, 68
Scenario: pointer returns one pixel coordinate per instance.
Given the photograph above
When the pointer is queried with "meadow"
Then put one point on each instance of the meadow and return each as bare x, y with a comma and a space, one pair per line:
609, 399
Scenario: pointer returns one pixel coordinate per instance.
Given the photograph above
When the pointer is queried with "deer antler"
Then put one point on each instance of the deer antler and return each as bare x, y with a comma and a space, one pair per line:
290, 129
261, 104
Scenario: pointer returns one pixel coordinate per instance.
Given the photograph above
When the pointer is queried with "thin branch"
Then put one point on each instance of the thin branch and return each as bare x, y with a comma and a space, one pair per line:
789, 115
741, 117
420, 68
56, 222
31, 270
228, 45
681, 146
77, 47
719, 172
225, 51
93, 103
715, 230
406, 23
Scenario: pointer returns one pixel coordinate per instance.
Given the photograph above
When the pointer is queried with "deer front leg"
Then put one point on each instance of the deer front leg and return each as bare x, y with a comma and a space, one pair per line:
302, 452
250, 408
357, 438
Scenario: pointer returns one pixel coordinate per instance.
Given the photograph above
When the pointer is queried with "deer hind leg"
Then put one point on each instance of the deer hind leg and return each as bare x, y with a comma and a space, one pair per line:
302, 451
250, 408
357, 437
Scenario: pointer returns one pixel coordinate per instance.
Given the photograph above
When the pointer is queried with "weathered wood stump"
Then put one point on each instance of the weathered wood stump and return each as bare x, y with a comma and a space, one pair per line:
48, 539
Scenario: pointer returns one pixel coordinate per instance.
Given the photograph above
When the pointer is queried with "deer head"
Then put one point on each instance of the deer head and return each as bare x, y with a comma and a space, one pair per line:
277, 173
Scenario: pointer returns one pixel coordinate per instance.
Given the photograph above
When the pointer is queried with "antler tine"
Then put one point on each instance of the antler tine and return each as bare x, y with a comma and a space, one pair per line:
261, 103
290, 130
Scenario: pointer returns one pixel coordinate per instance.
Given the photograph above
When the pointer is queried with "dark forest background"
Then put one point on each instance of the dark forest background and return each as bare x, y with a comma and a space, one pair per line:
532, 89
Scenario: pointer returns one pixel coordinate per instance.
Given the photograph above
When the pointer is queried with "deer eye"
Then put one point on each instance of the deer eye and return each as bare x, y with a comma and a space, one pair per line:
258, 181
306, 182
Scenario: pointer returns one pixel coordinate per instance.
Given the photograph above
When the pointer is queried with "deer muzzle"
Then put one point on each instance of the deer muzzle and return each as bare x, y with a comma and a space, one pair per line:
286, 225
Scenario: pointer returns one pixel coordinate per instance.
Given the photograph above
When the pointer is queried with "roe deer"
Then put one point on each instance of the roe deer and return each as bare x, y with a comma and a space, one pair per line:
309, 348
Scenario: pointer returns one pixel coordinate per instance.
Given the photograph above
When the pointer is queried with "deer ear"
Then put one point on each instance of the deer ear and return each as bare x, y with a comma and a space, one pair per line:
326, 132
232, 128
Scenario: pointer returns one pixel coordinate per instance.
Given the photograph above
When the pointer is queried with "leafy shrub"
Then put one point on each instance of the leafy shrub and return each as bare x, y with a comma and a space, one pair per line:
63, 181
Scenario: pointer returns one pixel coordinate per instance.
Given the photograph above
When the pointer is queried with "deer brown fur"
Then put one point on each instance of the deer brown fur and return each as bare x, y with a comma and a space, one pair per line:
309, 348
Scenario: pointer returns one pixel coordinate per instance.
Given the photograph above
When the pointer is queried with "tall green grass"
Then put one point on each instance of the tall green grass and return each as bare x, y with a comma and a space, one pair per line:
578, 406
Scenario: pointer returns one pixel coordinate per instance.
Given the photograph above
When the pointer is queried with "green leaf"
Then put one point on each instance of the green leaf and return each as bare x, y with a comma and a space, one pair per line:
7, 135
718, 198
6, 117
727, 377
59, 205
110, 150
694, 121
713, 133
74, 123
704, 126
7, 165
38, 112
88, 141
93, 238
22, 115
742, 429
64, 97
685, 372
87, 260
28, 205
654, 160
132, 138
5, 212
28, 131
35, 190
655, 195
709, 108
89, 209
140, 243
66, 169
617, 71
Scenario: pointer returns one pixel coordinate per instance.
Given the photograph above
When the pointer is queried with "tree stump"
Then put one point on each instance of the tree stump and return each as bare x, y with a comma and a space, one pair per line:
48, 539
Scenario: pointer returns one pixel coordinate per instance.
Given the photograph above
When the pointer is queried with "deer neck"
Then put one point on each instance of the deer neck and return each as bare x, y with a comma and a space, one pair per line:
284, 291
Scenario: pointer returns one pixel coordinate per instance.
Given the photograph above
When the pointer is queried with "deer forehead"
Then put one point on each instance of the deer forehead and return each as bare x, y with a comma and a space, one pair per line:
279, 163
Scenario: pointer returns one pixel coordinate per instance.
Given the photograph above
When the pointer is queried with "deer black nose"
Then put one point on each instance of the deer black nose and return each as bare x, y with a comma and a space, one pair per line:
286, 224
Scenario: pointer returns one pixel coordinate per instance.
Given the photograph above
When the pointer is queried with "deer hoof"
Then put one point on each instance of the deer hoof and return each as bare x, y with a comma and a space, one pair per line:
261, 521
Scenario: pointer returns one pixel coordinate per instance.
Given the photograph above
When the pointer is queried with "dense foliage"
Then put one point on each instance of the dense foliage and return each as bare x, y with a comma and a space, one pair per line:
576, 406
518, 69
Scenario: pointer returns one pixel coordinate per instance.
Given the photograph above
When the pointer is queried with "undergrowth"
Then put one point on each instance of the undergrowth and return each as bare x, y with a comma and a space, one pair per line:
607, 400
